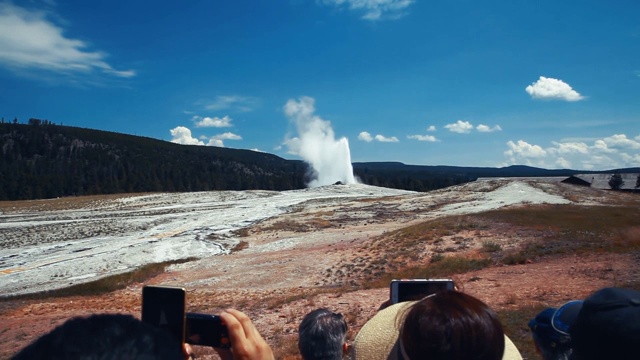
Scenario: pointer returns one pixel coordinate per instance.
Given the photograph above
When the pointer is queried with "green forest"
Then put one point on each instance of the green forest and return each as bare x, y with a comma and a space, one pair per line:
41, 160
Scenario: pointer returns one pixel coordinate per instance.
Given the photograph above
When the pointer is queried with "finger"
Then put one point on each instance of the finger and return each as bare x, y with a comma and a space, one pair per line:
249, 329
234, 327
188, 352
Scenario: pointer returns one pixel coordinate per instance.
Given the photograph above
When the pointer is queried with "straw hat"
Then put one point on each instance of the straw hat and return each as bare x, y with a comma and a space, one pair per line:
377, 340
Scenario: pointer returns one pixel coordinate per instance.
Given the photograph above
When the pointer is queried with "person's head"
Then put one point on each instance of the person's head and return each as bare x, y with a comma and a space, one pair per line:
322, 335
447, 325
104, 337
607, 326
550, 330
451, 325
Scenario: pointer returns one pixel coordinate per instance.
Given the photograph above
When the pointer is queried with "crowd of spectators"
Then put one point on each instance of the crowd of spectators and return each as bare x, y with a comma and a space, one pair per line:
446, 325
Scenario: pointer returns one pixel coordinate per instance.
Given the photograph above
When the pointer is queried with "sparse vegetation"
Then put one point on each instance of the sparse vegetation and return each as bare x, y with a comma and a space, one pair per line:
491, 246
104, 285
567, 229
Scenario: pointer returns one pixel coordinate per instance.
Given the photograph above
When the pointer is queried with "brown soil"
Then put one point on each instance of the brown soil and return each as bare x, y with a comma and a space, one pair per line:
277, 288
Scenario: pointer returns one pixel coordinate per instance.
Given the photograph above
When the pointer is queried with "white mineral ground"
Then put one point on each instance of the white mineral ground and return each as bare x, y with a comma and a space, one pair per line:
51, 249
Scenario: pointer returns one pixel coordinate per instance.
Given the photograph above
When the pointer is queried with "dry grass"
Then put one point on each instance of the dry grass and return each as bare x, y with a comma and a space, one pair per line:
567, 229
64, 203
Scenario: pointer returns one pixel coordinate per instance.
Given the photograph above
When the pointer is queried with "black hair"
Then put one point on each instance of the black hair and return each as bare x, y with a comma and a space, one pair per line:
321, 335
452, 325
103, 337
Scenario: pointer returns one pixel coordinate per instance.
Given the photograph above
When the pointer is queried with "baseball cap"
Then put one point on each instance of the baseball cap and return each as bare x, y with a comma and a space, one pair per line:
551, 325
608, 325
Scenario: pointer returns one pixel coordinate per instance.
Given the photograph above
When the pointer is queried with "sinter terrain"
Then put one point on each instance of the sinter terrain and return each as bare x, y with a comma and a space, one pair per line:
519, 245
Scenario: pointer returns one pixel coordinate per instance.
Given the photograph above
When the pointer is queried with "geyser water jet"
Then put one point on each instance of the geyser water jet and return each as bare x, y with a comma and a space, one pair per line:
330, 159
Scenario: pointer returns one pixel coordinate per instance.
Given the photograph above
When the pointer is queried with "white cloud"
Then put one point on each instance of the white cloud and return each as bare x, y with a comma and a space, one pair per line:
429, 138
524, 149
227, 136
215, 142
461, 127
602, 146
563, 164
182, 135
28, 40
599, 154
218, 140
234, 102
365, 136
621, 141
571, 148
383, 138
431, 128
375, 9
552, 89
486, 128
212, 122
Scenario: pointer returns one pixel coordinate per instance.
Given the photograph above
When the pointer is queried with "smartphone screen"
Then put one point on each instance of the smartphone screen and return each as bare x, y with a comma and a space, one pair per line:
207, 330
416, 289
164, 307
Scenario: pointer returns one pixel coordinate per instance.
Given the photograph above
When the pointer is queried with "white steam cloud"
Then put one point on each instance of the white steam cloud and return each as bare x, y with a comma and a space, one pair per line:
316, 144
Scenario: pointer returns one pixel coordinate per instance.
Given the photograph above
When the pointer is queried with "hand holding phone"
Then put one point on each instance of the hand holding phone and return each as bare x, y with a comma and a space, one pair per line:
206, 330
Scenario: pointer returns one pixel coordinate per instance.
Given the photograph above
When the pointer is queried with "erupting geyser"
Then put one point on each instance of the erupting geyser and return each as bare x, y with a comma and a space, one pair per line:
329, 158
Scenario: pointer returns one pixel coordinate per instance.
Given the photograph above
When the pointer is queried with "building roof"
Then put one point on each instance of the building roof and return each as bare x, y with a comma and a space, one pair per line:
601, 181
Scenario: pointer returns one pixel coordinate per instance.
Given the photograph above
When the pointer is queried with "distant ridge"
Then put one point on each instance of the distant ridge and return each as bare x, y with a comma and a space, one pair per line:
43, 160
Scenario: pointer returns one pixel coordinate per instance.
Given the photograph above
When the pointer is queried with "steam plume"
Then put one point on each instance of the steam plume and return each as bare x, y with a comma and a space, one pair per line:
329, 158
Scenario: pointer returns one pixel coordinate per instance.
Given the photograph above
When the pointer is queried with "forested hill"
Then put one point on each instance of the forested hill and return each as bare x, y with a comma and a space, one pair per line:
42, 160
45, 161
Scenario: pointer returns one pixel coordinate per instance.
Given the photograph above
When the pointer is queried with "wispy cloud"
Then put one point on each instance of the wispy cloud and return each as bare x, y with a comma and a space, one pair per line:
383, 138
374, 10
216, 122
460, 127
29, 40
487, 128
365, 136
610, 152
218, 140
233, 102
465, 127
428, 138
552, 89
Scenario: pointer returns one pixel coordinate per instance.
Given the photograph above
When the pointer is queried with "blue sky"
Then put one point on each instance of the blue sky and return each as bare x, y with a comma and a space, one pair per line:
554, 84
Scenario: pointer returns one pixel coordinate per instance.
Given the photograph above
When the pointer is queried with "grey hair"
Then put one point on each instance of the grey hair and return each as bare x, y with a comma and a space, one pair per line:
321, 335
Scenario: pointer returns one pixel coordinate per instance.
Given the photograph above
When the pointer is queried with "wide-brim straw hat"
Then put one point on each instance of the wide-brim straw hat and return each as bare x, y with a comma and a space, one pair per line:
378, 338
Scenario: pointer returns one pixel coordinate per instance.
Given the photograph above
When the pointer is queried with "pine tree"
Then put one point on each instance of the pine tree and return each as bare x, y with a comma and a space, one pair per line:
616, 182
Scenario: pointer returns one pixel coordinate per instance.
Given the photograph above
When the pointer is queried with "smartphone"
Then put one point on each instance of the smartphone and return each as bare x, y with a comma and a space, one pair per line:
416, 289
164, 307
206, 330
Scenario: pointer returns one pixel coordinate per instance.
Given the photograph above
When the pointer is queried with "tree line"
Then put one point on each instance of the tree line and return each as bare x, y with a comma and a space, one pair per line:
41, 160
